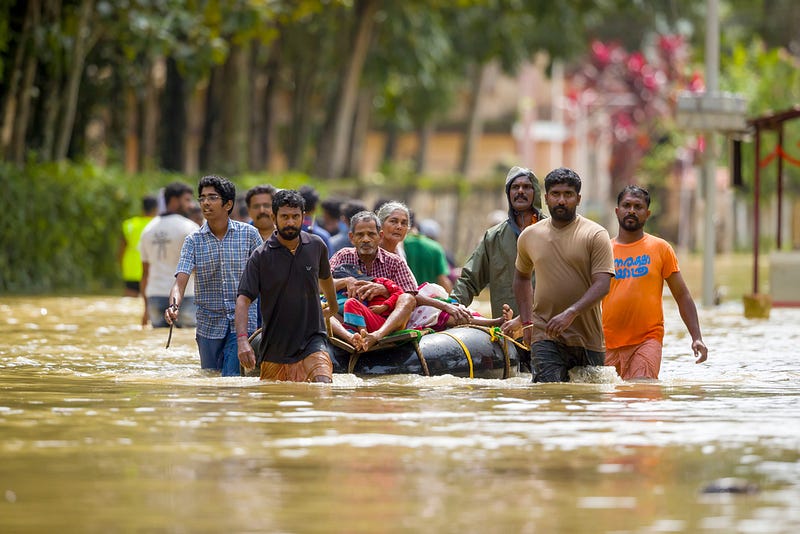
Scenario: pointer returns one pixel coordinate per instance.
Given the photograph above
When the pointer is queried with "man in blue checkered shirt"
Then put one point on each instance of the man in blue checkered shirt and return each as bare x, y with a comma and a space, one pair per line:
217, 254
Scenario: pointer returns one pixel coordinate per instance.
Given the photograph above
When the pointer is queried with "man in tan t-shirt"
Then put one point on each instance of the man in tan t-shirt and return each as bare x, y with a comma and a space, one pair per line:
574, 263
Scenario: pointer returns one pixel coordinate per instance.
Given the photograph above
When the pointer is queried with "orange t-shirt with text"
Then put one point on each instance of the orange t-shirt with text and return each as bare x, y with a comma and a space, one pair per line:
632, 310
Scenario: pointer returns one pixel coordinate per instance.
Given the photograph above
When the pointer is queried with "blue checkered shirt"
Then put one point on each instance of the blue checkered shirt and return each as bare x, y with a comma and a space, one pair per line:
218, 265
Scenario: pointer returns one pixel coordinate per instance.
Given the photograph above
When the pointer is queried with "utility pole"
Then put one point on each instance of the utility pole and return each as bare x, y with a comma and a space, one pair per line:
710, 163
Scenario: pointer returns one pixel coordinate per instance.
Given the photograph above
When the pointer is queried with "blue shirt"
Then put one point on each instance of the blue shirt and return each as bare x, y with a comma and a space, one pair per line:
218, 264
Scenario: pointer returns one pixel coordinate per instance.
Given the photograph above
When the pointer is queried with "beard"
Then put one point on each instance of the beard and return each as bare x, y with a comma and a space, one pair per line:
562, 213
289, 232
631, 224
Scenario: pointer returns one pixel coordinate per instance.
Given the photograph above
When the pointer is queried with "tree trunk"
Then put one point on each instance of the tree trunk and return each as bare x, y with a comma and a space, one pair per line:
258, 88
271, 103
52, 92
474, 120
174, 128
131, 131
333, 147
359, 137
17, 69
423, 143
195, 119
234, 122
304, 76
152, 113
24, 109
390, 144
211, 153
81, 46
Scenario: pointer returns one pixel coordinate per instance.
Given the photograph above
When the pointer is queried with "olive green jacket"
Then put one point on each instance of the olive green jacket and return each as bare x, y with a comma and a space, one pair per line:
490, 265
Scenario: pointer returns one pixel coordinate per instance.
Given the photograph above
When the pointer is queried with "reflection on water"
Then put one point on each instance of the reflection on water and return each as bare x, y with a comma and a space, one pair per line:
102, 429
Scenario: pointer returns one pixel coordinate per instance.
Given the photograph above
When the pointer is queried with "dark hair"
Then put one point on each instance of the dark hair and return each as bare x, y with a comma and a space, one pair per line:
241, 210
562, 175
333, 206
635, 191
351, 207
311, 197
266, 189
289, 198
364, 216
222, 186
149, 203
175, 189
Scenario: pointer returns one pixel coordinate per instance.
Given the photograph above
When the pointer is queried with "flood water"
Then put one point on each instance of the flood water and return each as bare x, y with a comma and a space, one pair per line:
102, 429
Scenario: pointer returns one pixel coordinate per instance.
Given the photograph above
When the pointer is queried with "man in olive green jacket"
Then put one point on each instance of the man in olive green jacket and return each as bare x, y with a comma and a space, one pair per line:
492, 262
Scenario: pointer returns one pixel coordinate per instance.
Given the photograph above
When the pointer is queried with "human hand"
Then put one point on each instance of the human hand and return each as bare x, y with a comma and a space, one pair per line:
245, 352
511, 326
379, 308
556, 325
367, 291
171, 313
698, 347
460, 314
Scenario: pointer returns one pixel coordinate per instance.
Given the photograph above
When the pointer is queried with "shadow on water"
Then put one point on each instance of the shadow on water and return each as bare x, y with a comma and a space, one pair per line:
103, 429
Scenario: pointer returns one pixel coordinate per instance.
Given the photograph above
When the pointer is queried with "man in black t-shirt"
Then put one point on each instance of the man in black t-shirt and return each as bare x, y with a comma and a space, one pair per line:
287, 272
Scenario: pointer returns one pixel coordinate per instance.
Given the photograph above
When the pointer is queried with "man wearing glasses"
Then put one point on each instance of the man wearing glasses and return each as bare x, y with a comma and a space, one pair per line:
217, 254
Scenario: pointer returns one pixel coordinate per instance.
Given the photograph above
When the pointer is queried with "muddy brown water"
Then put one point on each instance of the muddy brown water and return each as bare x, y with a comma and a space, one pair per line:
102, 429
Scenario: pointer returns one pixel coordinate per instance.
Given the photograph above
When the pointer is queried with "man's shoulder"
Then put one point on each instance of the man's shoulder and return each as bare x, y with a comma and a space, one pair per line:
344, 255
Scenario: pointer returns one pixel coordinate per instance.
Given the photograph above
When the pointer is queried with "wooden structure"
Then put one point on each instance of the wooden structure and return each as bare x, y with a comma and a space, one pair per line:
772, 122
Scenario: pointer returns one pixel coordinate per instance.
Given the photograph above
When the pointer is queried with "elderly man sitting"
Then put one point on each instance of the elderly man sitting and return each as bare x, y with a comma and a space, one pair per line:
374, 262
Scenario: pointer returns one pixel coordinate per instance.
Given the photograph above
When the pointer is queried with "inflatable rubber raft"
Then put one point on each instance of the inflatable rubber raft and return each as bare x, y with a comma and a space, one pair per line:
464, 351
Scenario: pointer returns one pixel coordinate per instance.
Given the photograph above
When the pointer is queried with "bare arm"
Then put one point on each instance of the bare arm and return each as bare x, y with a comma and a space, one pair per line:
444, 281
601, 282
459, 314
328, 289
245, 352
523, 292
176, 297
688, 311
143, 289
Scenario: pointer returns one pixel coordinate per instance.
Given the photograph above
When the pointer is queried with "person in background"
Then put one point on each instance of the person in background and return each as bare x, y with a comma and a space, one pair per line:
240, 212
426, 258
633, 314
431, 229
287, 274
216, 254
311, 198
196, 214
259, 209
332, 215
574, 264
342, 239
395, 219
492, 262
160, 248
129, 258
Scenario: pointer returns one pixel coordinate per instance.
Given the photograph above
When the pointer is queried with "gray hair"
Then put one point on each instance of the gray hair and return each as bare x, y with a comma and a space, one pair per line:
390, 207
364, 216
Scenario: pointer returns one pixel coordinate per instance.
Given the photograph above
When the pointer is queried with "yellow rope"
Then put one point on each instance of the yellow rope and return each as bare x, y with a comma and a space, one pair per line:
465, 349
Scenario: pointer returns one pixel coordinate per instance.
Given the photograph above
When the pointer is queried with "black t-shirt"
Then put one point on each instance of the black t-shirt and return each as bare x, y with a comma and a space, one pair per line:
288, 285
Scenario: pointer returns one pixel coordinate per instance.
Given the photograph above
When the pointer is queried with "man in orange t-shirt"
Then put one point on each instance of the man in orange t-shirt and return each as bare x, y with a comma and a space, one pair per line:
633, 318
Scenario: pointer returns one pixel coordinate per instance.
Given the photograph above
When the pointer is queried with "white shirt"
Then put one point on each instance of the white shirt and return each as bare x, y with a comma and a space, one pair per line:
160, 246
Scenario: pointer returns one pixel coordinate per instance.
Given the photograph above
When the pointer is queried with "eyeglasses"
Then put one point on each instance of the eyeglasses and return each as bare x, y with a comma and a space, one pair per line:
210, 198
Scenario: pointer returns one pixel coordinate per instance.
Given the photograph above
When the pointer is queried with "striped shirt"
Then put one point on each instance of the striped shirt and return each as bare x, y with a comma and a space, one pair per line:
385, 265
218, 264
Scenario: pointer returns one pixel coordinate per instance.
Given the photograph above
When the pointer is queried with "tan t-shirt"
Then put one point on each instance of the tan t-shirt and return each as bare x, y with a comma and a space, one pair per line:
565, 260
